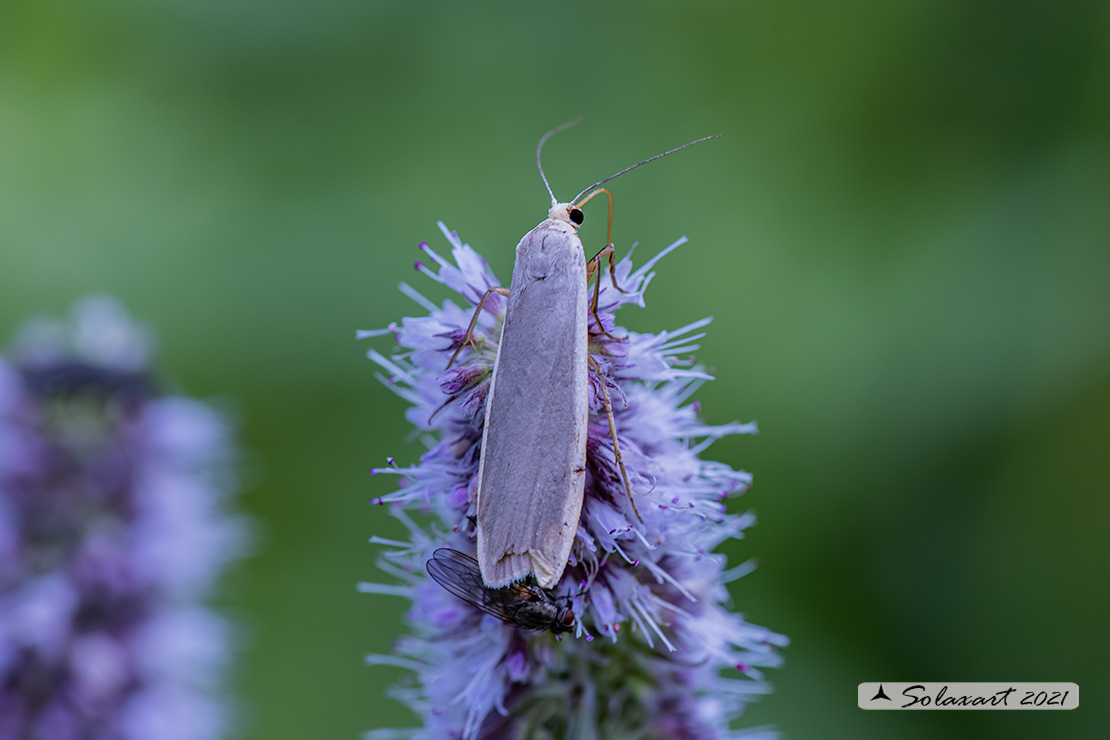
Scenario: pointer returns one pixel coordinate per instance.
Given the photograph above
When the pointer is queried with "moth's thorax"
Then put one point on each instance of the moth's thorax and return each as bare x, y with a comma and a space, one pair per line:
561, 212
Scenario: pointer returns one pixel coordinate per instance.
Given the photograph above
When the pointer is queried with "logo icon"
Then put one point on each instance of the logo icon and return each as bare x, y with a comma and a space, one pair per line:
881, 695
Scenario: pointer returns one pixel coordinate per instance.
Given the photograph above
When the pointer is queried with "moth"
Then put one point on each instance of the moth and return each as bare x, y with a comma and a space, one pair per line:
532, 470
528, 607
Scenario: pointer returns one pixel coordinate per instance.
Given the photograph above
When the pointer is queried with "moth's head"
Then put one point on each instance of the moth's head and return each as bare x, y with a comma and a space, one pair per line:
566, 212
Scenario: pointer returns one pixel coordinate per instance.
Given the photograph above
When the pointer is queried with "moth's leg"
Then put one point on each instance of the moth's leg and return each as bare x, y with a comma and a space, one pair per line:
593, 267
584, 201
469, 338
613, 434
593, 264
611, 253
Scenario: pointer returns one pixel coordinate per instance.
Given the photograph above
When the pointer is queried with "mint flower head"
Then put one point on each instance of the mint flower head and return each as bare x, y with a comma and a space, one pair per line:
113, 528
635, 640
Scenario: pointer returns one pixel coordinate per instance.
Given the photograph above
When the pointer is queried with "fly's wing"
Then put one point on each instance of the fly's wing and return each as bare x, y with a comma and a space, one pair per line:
459, 574
532, 469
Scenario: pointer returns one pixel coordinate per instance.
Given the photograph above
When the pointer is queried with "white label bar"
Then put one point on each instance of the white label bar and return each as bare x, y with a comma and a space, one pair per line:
992, 695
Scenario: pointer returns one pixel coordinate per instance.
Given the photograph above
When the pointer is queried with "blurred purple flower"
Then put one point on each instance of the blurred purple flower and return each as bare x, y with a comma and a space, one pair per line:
113, 529
653, 652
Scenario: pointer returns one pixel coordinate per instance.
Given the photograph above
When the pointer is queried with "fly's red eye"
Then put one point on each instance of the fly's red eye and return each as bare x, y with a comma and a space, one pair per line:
576, 216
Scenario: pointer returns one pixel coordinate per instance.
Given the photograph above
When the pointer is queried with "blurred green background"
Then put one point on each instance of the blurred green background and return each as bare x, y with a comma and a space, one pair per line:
904, 238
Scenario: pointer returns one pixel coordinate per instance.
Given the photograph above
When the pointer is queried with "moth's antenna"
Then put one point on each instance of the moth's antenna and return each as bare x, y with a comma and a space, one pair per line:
626, 169
539, 147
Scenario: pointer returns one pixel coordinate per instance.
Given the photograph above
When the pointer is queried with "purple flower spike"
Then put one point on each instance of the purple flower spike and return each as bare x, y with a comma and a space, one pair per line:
112, 532
653, 591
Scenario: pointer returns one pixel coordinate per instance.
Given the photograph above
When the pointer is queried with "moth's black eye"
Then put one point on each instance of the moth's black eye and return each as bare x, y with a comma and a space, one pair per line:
576, 215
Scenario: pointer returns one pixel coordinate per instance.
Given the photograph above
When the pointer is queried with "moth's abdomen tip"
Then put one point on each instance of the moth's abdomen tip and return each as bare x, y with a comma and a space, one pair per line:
506, 570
